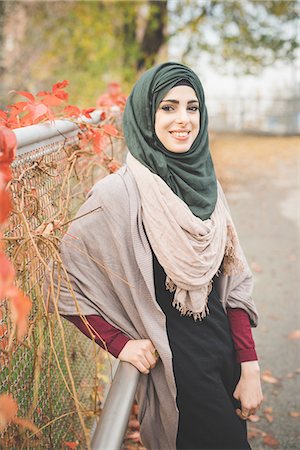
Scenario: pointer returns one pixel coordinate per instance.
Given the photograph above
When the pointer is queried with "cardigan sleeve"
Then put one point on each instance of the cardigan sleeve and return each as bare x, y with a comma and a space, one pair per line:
241, 333
110, 337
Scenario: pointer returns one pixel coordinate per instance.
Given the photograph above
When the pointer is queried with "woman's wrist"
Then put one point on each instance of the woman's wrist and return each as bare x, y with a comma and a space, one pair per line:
250, 367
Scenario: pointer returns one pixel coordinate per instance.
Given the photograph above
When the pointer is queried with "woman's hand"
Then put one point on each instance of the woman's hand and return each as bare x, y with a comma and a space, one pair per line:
248, 390
141, 354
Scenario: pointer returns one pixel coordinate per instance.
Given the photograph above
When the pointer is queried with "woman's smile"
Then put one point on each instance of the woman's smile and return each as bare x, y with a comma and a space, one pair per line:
177, 120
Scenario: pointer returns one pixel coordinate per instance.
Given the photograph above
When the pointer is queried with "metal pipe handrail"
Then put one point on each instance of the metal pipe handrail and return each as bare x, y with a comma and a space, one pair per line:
29, 138
111, 428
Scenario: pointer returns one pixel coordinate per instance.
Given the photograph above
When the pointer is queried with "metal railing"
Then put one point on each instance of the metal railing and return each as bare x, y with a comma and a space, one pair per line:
110, 431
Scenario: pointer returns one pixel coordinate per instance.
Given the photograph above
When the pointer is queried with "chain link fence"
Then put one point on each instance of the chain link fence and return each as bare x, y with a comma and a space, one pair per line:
50, 181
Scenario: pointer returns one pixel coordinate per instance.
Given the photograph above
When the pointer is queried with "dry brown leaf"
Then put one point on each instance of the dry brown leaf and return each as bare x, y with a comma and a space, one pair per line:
294, 335
8, 410
268, 409
135, 409
269, 417
254, 418
268, 377
290, 375
25, 423
135, 436
294, 413
254, 432
270, 441
134, 424
256, 267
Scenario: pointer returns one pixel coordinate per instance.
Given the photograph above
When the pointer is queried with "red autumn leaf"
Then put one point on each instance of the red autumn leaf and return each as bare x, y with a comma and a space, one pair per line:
294, 335
268, 377
110, 129
51, 100
294, 413
114, 89
60, 85
5, 205
8, 410
103, 115
17, 108
87, 112
5, 175
72, 111
24, 94
270, 441
20, 306
104, 101
8, 145
36, 110
62, 95
97, 141
42, 93
113, 166
7, 275
70, 444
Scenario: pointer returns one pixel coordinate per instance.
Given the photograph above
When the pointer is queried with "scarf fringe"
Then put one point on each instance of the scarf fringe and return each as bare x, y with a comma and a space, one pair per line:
232, 264
184, 311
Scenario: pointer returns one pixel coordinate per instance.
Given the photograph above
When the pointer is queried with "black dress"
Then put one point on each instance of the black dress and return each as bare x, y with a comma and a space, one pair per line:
206, 373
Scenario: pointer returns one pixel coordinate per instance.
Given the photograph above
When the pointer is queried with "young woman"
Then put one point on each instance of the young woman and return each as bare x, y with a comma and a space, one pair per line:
158, 270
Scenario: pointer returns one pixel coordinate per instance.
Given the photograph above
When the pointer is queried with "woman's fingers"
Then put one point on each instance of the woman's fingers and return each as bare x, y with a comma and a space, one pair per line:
140, 353
243, 414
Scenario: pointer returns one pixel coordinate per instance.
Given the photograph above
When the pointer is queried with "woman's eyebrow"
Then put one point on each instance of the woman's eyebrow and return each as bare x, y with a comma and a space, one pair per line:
177, 101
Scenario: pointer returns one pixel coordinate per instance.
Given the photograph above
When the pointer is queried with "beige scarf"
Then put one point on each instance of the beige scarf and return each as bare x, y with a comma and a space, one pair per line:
189, 249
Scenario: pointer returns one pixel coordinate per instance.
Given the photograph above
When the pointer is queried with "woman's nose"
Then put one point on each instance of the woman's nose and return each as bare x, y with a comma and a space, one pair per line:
182, 116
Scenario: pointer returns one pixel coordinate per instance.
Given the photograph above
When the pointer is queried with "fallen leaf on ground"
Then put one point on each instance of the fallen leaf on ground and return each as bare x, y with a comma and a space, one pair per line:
254, 418
294, 413
269, 417
290, 375
294, 335
270, 441
254, 432
268, 377
256, 267
268, 414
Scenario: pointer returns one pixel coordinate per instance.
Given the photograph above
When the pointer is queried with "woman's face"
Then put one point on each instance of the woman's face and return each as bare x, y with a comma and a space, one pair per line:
177, 119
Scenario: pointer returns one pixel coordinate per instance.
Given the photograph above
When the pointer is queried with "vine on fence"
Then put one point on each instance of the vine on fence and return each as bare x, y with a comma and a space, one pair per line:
93, 139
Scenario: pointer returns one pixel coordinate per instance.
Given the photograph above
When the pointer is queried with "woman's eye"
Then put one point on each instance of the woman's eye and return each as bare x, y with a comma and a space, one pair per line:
167, 108
194, 108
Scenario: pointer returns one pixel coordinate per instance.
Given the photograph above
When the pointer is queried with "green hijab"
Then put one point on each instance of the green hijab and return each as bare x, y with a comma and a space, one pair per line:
190, 175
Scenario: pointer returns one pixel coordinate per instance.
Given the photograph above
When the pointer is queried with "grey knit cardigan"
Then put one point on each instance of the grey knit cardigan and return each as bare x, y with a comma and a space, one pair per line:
109, 264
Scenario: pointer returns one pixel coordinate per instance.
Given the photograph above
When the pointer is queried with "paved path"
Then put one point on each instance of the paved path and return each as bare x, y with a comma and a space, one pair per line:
262, 182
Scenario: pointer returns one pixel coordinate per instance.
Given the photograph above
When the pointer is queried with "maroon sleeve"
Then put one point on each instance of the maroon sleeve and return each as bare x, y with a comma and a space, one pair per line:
244, 345
114, 339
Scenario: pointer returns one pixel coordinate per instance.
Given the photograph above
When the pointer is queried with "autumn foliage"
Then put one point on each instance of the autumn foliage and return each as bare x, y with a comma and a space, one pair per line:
33, 109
